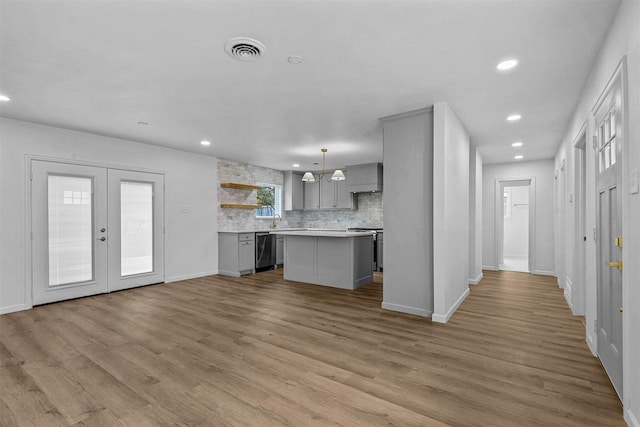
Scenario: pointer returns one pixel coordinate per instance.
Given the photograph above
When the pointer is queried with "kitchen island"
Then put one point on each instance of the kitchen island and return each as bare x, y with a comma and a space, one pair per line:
340, 259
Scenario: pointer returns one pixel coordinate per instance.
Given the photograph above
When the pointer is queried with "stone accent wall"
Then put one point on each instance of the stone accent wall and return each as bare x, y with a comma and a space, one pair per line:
368, 214
245, 219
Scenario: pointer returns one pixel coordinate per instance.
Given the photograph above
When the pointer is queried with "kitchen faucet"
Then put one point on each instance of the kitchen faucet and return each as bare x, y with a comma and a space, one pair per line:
273, 223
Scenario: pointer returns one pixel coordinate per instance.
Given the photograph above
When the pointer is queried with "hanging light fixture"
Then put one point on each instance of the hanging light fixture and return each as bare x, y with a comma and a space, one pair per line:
338, 175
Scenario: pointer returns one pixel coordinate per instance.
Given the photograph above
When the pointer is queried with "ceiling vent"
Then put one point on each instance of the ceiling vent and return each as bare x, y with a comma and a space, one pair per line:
244, 48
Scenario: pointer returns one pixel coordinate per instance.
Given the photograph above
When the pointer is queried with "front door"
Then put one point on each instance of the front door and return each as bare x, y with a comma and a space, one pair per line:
94, 230
608, 142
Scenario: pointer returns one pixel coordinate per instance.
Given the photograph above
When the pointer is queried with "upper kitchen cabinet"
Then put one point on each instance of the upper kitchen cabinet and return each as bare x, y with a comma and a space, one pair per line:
334, 195
311, 194
293, 191
365, 178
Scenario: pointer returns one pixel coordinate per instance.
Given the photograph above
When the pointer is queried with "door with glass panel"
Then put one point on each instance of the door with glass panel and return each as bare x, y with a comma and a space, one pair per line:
94, 230
69, 234
136, 221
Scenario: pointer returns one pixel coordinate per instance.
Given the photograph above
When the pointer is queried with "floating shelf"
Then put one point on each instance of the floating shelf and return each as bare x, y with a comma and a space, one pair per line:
236, 206
240, 186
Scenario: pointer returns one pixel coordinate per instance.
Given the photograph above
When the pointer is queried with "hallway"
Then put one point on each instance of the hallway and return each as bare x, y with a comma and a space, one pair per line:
259, 350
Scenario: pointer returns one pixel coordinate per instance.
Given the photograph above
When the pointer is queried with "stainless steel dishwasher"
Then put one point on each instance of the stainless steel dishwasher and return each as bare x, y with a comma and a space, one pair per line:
265, 251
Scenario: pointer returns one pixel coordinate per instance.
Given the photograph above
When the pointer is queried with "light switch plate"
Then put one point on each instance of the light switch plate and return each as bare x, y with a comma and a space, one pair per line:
633, 182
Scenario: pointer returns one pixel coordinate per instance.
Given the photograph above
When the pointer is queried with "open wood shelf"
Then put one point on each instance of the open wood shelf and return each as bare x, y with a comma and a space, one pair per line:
237, 206
240, 186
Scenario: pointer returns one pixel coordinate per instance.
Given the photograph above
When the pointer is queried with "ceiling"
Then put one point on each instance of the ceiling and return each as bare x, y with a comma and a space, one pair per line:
104, 66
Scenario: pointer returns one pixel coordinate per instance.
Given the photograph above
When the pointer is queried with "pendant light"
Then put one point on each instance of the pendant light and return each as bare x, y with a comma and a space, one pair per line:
338, 175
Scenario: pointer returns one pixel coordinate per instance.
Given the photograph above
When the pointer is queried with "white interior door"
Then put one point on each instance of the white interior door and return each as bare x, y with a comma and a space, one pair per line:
136, 221
69, 239
94, 230
609, 233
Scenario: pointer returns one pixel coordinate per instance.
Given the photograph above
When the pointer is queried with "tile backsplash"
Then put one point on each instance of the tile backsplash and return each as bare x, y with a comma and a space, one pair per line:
368, 214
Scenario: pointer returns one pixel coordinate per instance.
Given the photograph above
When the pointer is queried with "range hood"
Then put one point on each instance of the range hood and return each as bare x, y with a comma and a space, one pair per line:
365, 178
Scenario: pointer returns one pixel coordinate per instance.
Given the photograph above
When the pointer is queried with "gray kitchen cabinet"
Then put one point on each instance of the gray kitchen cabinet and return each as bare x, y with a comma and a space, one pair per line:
293, 191
379, 250
365, 178
334, 195
312, 195
280, 250
236, 253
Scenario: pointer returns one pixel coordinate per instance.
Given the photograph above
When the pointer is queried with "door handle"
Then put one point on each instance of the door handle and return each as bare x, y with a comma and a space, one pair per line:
617, 264
620, 309
102, 239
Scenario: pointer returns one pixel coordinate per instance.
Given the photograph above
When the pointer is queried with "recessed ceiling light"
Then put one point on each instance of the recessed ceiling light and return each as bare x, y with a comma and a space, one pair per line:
205, 143
514, 117
518, 157
507, 64
295, 165
295, 59
517, 144
4, 98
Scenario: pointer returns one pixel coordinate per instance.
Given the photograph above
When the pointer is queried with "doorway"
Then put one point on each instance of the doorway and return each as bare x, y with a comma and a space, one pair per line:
576, 293
515, 232
94, 230
515, 224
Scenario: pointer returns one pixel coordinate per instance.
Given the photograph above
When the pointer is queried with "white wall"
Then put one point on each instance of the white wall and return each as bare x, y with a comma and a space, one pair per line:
408, 213
190, 185
516, 226
623, 39
475, 216
450, 212
543, 172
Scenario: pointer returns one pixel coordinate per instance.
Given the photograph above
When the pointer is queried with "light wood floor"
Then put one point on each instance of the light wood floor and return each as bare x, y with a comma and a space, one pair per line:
262, 351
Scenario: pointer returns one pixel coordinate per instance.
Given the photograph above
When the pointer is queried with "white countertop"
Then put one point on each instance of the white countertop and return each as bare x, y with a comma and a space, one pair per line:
321, 233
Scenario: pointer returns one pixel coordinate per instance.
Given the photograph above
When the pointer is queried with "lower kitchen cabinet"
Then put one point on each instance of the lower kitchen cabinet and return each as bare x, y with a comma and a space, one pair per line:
236, 253
280, 250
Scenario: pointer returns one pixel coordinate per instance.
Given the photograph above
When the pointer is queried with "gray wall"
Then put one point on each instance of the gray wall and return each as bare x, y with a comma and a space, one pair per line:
475, 216
408, 213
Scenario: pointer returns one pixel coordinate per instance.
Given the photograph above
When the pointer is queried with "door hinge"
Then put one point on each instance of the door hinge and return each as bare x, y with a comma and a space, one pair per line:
618, 241
595, 325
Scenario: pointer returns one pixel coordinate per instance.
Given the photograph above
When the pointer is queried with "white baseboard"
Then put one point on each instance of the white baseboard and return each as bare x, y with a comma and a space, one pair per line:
407, 309
567, 298
14, 308
189, 276
592, 345
544, 272
444, 318
476, 280
490, 267
568, 288
630, 418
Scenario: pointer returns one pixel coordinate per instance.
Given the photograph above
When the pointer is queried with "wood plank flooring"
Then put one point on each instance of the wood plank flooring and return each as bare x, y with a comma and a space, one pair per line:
262, 351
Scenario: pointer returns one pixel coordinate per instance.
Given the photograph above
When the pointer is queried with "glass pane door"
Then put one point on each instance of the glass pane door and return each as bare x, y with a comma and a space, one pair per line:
136, 227
68, 225
136, 221
70, 220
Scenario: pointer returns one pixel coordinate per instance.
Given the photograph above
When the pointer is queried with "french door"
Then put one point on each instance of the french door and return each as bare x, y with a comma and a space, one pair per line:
94, 230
